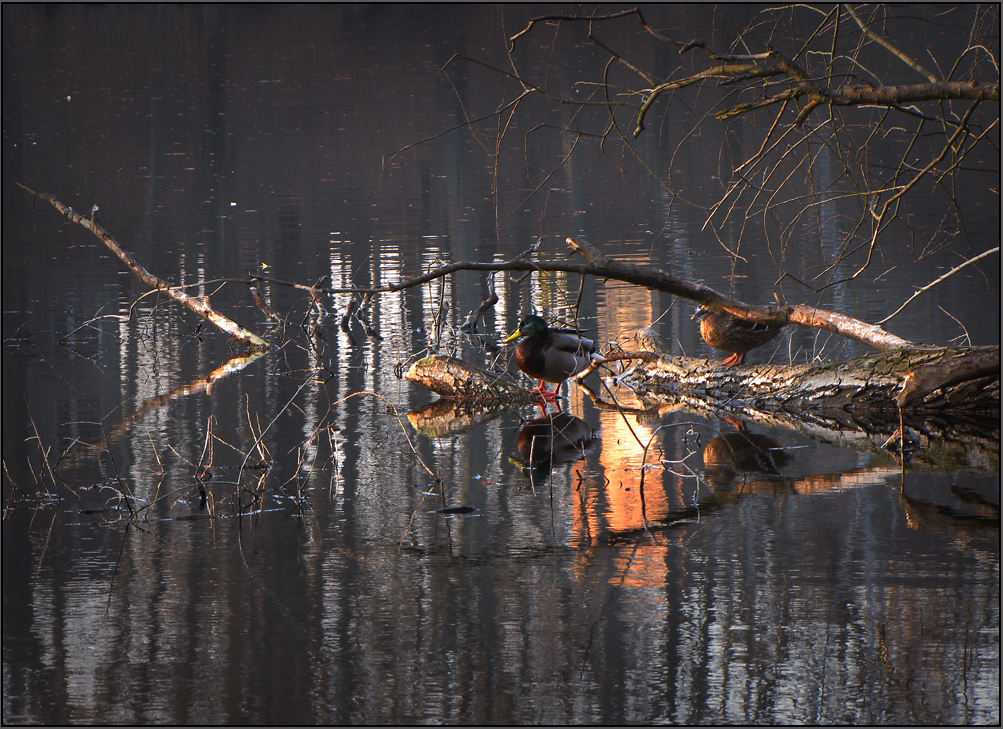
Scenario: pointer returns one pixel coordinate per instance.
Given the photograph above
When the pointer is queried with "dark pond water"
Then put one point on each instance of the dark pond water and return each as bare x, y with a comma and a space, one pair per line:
394, 566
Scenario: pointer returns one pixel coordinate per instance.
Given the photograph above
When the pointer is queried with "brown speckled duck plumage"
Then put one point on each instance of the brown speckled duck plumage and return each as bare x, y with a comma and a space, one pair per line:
729, 333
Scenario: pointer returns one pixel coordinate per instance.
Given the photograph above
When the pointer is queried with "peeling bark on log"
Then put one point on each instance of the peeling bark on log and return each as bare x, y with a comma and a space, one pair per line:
927, 379
202, 307
458, 380
934, 442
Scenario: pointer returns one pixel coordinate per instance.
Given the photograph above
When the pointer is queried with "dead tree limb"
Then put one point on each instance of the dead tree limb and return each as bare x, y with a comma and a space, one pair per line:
802, 314
929, 379
598, 265
461, 381
202, 307
601, 266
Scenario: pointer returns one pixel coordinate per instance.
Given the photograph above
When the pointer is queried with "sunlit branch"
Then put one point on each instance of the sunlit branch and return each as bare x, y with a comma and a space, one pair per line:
201, 306
596, 18
742, 71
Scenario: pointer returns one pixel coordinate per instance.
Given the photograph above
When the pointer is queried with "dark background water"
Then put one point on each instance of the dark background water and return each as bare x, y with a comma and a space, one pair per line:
221, 140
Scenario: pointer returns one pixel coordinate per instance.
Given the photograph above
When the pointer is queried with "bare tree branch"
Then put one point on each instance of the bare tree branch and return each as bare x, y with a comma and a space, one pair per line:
887, 44
202, 307
930, 285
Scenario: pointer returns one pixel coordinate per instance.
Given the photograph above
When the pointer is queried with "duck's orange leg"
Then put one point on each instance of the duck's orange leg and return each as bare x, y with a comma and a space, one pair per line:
541, 390
739, 425
547, 397
734, 360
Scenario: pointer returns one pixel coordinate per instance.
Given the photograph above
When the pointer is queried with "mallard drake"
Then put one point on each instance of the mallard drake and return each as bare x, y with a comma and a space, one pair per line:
551, 355
731, 334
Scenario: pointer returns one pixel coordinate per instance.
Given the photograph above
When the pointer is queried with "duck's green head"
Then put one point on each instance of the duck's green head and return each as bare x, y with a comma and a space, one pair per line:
531, 326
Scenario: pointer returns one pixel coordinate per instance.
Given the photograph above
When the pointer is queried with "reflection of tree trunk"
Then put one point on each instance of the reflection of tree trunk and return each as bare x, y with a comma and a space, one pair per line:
448, 417
202, 307
969, 518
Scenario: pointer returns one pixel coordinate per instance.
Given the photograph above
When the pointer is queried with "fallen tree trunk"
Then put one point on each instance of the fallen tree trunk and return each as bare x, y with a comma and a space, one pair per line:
461, 381
200, 306
848, 404
914, 379
934, 443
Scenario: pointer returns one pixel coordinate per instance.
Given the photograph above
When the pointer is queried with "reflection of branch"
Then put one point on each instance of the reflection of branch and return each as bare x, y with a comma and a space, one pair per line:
197, 386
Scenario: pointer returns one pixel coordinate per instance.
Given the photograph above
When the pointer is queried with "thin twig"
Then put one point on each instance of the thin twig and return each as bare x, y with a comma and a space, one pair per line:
912, 63
950, 273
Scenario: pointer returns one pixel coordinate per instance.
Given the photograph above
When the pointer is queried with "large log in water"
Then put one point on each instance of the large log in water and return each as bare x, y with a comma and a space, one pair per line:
463, 382
920, 379
916, 379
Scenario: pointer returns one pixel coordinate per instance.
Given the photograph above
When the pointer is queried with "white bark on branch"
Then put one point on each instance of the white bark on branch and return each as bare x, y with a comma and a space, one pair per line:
202, 307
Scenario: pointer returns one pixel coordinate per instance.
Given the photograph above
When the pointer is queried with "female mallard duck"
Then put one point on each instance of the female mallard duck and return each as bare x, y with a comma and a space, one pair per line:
551, 355
731, 334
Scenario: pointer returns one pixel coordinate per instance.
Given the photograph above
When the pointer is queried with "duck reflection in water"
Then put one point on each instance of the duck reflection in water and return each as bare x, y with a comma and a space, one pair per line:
552, 440
743, 452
